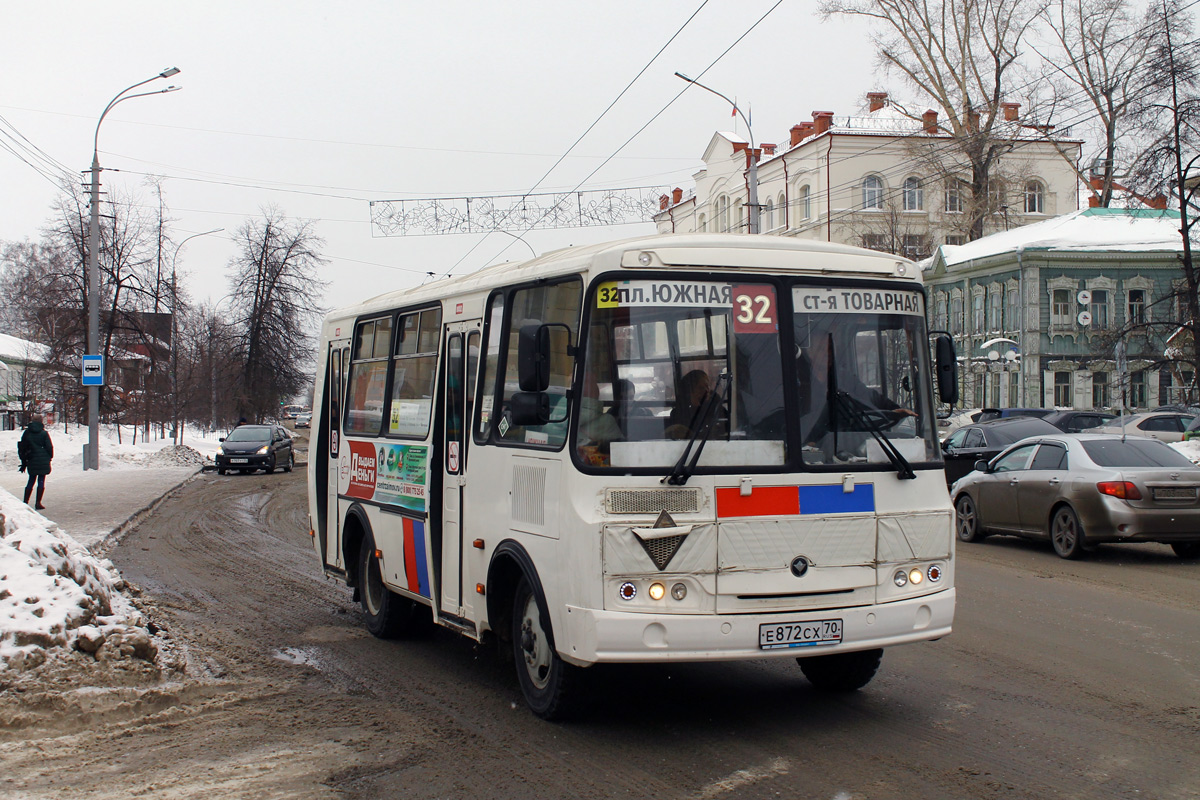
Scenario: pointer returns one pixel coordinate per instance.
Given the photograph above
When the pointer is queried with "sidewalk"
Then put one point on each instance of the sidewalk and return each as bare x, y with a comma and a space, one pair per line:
93, 505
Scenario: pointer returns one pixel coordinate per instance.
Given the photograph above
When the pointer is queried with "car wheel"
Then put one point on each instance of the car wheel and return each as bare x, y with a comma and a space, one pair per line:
388, 614
220, 471
967, 522
1066, 534
270, 467
549, 684
291, 462
841, 672
1186, 549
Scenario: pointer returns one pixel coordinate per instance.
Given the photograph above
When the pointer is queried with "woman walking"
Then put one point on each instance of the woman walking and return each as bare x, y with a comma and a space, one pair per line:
36, 452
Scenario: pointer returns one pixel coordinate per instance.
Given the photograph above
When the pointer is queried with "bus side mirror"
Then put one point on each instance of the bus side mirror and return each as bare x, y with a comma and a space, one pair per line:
947, 370
533, 357
530, 408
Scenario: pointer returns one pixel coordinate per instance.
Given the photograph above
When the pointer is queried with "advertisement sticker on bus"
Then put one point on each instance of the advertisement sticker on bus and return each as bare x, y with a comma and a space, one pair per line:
395, 474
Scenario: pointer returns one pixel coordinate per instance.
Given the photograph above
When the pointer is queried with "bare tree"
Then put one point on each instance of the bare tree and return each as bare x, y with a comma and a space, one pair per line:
958, 53
1170, 163
276, 295
1094, 72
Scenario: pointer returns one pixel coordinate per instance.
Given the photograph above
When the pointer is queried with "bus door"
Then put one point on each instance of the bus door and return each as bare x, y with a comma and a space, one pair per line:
462, 362
330, 445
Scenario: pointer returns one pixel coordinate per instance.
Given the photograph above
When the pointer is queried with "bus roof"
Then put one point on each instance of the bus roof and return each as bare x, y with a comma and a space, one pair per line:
680, 251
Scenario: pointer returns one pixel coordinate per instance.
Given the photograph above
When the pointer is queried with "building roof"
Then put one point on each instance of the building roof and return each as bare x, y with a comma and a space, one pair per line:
16, 350
1131, 230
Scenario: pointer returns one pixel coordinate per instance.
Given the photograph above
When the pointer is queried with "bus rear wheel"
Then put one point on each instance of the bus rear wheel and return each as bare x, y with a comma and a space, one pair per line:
549, 684
841, 672
388, 614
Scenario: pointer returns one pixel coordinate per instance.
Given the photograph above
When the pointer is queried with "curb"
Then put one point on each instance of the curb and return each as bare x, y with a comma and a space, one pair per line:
111, 539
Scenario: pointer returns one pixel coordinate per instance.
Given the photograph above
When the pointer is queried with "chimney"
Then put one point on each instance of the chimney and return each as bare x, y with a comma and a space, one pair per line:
769, 149
739, 147
876, 100
972, 120
753, 154
663, 202
929, 118
797, 134
1011, 111
1159, 202
822, 121
676, 195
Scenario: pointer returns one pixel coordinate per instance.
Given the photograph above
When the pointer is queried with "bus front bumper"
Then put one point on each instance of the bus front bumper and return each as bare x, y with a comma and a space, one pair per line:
600, 636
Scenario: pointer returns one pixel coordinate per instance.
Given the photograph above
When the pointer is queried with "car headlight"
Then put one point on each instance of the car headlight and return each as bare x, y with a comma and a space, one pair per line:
262, 451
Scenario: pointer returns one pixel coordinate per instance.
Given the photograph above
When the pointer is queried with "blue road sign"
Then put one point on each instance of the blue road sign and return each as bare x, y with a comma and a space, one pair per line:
93, 370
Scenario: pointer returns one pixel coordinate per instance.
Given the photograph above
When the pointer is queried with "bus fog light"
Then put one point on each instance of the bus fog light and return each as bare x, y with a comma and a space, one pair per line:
900, 578
934, 573
657, 591
628, 591
915, 576
679, 591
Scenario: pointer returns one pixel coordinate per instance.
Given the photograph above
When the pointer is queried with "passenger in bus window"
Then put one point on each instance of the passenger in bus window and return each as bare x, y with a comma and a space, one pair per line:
596, 428
623, 408
693, 391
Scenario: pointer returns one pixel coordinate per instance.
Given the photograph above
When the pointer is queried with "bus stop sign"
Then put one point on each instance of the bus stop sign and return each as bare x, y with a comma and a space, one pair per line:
93, 370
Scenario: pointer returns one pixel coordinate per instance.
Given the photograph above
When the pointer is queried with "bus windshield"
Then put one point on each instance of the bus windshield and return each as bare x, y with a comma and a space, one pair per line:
860, 357
668, 361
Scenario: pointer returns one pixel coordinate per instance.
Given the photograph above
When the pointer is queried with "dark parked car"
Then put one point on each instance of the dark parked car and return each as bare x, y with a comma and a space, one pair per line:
252, 447
989, 414
1077, 489
1077, 421
984, 440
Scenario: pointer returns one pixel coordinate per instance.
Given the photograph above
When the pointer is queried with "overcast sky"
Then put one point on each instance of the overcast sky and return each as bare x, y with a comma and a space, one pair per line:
320, 108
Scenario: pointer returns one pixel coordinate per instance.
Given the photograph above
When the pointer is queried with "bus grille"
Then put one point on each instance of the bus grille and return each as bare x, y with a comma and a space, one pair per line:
661, 551
652, 501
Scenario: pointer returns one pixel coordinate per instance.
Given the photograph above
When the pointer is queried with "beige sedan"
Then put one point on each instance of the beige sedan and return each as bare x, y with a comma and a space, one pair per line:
1166, 426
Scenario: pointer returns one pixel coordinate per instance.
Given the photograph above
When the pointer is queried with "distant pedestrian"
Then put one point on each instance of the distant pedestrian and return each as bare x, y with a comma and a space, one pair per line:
36, 452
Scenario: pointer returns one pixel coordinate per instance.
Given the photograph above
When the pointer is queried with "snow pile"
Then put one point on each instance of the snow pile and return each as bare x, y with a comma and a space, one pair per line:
1190, 449
68, 450
176, 456
55, 596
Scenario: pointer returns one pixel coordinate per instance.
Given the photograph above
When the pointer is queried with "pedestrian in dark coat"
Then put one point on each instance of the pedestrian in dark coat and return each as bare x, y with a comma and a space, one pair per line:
36, 452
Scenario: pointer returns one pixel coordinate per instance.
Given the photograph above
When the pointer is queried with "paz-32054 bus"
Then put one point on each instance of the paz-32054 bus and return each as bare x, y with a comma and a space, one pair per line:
678, 448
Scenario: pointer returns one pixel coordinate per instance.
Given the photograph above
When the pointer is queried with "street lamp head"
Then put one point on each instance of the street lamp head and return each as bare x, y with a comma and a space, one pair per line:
166, 73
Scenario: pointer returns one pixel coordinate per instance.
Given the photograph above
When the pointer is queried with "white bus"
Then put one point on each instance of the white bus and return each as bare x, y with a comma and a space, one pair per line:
688, 447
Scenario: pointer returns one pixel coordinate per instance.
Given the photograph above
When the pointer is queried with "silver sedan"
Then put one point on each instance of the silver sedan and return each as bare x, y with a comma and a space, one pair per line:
1080, 489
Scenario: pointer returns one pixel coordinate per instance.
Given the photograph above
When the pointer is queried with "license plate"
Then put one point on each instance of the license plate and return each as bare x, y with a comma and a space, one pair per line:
774, 635
1174, 493
239, 461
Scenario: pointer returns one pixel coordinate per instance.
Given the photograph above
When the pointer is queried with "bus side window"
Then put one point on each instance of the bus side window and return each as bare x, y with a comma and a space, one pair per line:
556, 304
414, 368
368, 374
491, 367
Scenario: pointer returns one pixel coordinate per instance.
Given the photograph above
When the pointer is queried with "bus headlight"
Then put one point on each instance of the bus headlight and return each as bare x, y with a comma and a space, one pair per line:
657, 591
900, 578
679, 591
915, 576
627, 590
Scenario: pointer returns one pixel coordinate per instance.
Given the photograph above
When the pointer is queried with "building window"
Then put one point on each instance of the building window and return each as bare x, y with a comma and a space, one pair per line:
956, 239
956, 315
872, 192
1062, 389
1137, 306
940, 316
1014, 389
977, 315
1060, 308
703, 225
914, 246
768, 215
1035, 198
993, 380
954, 197
805, 202
914, 195
1137, 389
1099, 309
723, 214
995, 312
875, 241
1013, 314
1100, 390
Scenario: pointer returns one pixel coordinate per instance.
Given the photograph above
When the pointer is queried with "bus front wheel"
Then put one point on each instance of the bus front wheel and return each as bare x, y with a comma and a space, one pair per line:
841, 672
547, 682
388, 614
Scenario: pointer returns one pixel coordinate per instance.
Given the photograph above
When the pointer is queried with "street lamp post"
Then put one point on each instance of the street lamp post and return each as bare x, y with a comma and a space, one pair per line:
91, 451
752, 179
177, 434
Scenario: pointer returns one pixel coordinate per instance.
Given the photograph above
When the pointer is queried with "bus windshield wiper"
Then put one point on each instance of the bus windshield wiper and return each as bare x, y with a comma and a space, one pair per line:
685, 466
872, 420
